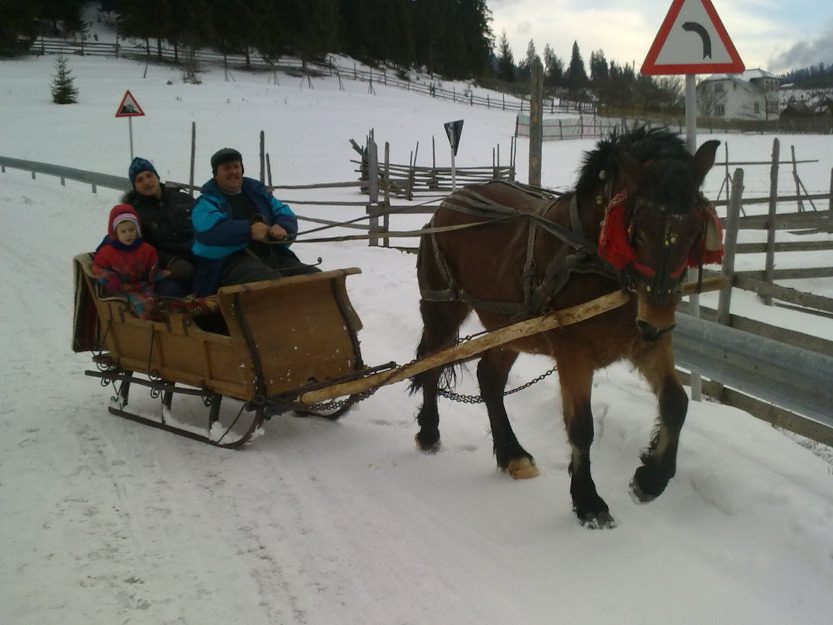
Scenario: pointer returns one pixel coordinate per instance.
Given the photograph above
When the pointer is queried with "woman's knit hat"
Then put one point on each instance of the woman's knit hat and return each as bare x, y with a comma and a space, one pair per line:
137, 167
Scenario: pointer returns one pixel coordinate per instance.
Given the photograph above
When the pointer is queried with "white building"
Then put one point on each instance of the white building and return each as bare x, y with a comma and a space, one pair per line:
752, 95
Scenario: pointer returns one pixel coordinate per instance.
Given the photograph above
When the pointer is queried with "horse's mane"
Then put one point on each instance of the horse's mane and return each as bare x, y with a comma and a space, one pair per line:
642, 143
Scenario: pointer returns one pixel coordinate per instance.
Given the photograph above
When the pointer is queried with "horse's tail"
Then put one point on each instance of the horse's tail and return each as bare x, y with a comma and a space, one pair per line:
447, 378
447, 381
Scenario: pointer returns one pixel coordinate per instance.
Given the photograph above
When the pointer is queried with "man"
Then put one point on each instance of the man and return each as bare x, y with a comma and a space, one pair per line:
165, 215
237, 227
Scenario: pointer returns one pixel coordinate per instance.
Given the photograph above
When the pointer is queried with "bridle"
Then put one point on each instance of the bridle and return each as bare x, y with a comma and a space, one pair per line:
662, 282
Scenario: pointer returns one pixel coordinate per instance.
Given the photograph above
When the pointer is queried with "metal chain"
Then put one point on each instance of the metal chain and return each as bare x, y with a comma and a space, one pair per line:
452, 395
331, 405
477, 399
340, 403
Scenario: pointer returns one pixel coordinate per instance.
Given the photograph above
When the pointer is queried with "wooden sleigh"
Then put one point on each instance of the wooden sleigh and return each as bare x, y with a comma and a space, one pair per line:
262, 344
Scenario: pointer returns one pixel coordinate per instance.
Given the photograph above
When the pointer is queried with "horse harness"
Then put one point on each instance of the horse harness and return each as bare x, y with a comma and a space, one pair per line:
578, 255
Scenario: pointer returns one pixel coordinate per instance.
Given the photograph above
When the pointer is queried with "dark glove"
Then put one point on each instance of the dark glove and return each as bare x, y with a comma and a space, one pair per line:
181, 270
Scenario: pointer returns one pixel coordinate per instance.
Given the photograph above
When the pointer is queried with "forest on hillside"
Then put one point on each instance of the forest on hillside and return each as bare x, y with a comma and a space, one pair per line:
450, 38
817, 77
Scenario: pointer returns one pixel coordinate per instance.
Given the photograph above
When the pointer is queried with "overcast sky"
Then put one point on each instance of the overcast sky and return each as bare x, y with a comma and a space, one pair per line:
775, 35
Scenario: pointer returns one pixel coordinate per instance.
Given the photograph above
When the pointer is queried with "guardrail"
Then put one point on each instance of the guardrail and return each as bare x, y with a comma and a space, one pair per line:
92, 178
792, 378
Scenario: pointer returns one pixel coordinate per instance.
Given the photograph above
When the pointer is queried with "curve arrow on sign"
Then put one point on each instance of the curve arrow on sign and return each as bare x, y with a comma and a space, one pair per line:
704, 35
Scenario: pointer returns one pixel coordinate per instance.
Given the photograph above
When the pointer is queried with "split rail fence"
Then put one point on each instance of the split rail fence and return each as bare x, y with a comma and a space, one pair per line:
433, 88
771, 358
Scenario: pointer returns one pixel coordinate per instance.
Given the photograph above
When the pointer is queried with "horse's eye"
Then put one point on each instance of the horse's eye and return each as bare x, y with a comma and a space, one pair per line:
638, 238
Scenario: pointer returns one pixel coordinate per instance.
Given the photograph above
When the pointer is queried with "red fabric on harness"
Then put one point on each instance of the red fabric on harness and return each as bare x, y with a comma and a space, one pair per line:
614, 246
713, 256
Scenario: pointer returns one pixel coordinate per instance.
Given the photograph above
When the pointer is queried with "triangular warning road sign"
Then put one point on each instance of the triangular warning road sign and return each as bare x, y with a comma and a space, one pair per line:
129, 107
692, 40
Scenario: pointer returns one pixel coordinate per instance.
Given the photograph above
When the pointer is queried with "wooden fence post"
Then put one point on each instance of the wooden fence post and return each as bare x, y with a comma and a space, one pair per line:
536, 121
730, 246
193, 156
796, 180
262, 157
830, 204
773, 205
386, 189
373, 190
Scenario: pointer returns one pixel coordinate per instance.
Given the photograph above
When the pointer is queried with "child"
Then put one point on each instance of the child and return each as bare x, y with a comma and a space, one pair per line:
126, 265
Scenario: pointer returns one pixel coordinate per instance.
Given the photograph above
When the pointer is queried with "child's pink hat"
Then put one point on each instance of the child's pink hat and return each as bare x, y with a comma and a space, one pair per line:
120, 213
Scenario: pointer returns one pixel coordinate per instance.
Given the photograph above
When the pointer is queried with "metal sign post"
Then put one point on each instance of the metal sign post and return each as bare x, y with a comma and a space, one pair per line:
691, 41
454, 130
129, 108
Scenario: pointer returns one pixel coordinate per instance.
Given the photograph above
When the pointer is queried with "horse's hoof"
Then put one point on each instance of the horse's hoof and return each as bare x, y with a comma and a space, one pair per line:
647, 484
637, 495
427, 448
522, 469
600, 521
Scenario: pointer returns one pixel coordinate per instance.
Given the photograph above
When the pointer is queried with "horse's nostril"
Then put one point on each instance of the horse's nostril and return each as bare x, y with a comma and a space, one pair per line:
644, 327
647, 331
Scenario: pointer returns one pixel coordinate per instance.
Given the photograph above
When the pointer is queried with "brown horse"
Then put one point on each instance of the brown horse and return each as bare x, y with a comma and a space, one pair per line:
638, 199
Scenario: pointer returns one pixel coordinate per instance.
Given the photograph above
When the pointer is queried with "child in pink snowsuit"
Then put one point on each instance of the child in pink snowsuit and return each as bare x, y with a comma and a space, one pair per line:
126, 265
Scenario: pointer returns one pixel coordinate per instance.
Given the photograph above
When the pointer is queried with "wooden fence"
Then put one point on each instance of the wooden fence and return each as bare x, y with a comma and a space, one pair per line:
581, 127
814, 216
413, 180
254, 61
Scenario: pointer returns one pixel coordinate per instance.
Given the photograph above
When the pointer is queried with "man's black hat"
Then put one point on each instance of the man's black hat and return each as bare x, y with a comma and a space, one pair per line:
226, 155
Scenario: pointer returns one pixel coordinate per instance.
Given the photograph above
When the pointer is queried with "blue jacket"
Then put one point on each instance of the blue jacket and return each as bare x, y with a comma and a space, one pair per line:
217, 236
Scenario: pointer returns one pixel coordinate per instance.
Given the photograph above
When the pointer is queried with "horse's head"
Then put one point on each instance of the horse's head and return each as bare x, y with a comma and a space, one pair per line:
655, 227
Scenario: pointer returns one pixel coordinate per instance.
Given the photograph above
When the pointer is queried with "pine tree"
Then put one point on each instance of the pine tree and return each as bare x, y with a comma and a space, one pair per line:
505, 60
553, 68
476, 37
525, 66
63, 87
576, 75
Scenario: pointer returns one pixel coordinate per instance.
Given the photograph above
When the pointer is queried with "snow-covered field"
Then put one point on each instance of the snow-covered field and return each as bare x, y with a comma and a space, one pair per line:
106, 522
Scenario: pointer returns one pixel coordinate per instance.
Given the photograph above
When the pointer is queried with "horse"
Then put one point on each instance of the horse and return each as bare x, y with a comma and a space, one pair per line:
635, 220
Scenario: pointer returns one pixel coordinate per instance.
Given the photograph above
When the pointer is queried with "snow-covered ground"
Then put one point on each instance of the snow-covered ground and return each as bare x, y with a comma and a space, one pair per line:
105, 522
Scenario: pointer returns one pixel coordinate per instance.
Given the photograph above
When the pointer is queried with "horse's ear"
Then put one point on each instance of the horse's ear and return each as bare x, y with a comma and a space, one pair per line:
704, 159
632, 169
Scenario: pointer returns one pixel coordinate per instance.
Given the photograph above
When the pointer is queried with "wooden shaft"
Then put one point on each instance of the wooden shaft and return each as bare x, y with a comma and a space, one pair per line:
516, 331
471, 348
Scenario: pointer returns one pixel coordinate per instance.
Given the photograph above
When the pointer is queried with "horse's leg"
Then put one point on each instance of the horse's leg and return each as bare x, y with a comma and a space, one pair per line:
441, 321
659, 460
576, 378
492, 372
